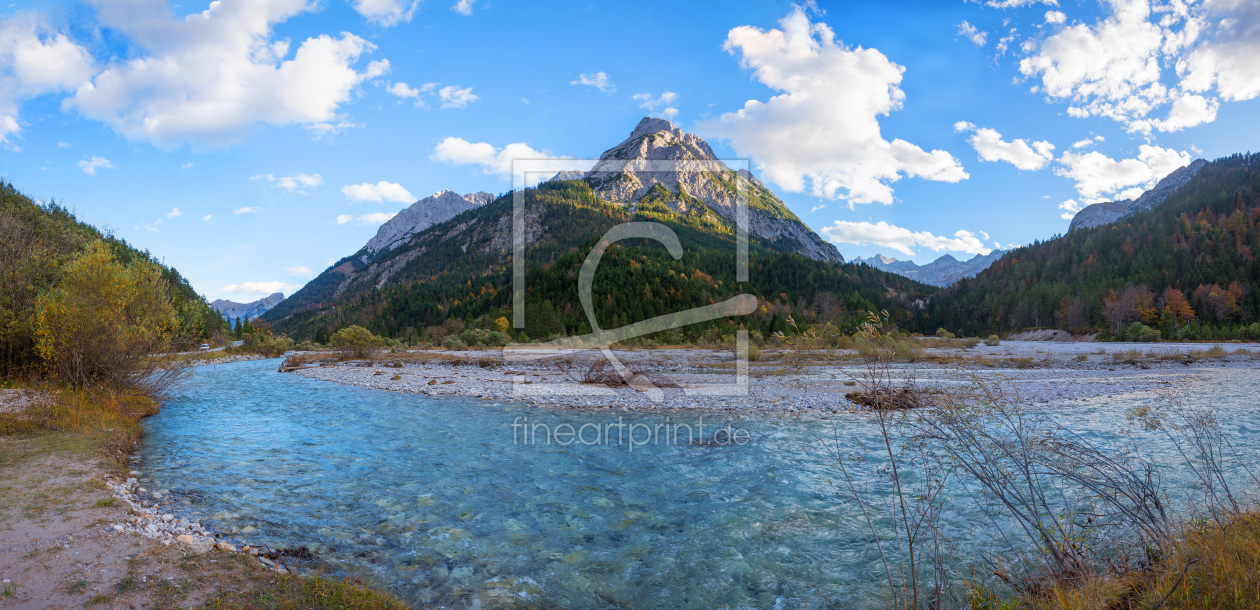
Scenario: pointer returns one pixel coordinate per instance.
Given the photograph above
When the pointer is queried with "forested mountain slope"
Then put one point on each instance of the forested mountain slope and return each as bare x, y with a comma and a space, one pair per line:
37, 243
460, 270
1186, 267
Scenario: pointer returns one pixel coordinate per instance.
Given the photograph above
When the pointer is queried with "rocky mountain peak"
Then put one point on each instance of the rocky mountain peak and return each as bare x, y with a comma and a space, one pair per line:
434, 209
232, 309
1107, 212
660, 153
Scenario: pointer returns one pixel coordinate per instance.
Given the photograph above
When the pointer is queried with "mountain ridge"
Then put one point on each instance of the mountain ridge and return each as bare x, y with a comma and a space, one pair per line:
942, 272
232, 310
1107, 212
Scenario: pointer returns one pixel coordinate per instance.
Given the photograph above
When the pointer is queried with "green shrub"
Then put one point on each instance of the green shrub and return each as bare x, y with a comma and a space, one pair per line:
944, 334
1141, 332
992, 341
355, 341
454, 344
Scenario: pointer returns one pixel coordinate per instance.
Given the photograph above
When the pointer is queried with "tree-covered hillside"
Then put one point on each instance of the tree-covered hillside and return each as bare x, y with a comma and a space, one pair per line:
461, 271
38, 243
1187, 268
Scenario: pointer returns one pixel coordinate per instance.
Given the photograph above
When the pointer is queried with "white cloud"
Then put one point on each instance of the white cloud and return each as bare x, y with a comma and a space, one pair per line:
386, 12
454, 97
207, 79
458, 151
63, 145
380, 192
89, 166
970, 32
817, 207
658, 106
247, 210
1070, 208
463, 7
208, 218
988, 143
823, 131
900, 239
186, 166
1055, 17
257, 288
401, 89
599, 80
293, 184
1119, 66
174, 212
302, 271
35, 60
1100, 178
1087, 142
375, 218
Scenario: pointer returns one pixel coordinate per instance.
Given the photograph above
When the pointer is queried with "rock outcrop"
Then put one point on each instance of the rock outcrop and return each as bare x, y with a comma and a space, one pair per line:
942, 272
232, 310
434, 209
658, 152
1108, 212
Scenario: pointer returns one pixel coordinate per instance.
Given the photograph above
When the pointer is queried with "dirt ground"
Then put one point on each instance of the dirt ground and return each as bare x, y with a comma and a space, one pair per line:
58, 548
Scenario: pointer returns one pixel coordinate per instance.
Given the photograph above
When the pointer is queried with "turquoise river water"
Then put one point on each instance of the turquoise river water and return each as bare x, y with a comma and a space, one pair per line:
445, 503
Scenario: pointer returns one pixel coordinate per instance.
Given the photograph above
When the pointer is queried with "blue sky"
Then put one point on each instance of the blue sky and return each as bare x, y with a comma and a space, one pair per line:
251, 143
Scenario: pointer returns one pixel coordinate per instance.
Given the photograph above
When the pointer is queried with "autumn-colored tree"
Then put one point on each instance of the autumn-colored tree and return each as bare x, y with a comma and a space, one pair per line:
96, 327
1175, 302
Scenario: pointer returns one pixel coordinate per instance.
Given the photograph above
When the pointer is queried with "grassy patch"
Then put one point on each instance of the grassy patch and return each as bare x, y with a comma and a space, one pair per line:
304, 593
77, 587
107, 502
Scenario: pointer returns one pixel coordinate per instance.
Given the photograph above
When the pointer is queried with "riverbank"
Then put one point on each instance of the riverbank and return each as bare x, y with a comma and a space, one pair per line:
783, 380
71, 536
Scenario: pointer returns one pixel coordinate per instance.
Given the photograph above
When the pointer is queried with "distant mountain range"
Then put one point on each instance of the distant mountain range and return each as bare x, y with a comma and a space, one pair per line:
449, 256
1108, 212
232, 310
944, 271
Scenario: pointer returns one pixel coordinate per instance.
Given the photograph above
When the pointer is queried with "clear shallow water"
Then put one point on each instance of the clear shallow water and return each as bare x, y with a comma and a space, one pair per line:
433, 499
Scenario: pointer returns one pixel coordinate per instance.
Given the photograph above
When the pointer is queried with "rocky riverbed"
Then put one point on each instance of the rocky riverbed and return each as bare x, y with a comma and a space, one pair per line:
785, 380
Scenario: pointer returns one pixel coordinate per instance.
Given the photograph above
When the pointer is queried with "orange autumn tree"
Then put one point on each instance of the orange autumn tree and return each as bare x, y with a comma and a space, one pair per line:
1176, 305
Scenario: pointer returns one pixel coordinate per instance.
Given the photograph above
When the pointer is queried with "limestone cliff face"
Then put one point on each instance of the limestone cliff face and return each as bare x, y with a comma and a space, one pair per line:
1108, 212
658, 152
232, 310
434, 209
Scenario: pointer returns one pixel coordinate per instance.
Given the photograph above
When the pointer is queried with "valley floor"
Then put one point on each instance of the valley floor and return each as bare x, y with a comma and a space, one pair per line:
788, 380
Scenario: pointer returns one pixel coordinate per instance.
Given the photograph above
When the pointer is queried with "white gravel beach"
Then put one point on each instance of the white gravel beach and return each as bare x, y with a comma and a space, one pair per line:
788, 380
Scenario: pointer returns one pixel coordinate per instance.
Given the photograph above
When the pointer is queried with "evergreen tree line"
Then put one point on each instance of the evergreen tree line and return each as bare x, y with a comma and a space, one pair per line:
1185, 269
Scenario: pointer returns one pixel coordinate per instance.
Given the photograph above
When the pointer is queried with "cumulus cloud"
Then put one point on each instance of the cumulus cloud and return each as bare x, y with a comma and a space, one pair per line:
186, 166
247, 210
658, 106
375, 218
174, 212
379, 193
901, 239
463, 7
89, 166
988, 143
257, 288
401, 89
386, 12
208, 218
458, 151
208, 78
968, 31
293, 184
454, 97
1087, 142
302, 271
35, 60
1119, 66
1101, 178
822, 133
1070, 208
599, 80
